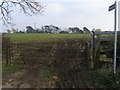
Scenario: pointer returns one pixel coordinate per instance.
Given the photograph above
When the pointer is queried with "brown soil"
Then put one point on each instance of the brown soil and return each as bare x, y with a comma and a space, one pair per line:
65, 56
31, 78
27, 78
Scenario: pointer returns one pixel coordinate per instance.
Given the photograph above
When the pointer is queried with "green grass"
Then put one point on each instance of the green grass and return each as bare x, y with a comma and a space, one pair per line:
17, 38
101, 78
9, 68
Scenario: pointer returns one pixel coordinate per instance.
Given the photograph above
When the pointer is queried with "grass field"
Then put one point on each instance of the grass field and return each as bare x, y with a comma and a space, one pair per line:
18, 38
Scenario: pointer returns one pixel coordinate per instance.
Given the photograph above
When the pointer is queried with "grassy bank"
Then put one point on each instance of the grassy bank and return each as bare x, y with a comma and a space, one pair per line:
102, 78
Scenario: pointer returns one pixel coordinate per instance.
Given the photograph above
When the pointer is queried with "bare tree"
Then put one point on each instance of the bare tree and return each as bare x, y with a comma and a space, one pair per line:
28, 7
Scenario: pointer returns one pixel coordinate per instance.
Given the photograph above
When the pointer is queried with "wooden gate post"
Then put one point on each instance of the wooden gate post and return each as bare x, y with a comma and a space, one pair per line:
87, 51
95, 49
97, 52
92, 48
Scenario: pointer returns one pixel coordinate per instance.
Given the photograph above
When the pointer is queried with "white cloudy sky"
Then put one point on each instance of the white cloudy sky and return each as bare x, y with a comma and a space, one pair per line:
70, 13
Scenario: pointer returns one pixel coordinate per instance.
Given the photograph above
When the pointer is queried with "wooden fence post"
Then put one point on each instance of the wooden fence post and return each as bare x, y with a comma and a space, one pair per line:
97, 52
92, 48
88, 55
95, 49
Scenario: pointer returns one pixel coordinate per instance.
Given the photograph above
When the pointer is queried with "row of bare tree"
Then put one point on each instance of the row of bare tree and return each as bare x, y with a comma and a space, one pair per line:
28, 7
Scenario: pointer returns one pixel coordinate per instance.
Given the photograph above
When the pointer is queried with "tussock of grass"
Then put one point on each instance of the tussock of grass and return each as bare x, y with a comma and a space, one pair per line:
102, 78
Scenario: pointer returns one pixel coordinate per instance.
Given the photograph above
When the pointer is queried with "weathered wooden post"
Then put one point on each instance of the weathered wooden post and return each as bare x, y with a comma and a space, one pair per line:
97, 51
92, 48
87, 51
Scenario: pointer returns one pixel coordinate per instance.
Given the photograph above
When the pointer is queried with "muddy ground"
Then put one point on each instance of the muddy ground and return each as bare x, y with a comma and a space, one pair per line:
27, 78
32, 78
67, 57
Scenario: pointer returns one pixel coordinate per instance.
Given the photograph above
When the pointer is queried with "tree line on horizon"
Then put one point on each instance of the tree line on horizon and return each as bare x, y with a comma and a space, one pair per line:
51, 29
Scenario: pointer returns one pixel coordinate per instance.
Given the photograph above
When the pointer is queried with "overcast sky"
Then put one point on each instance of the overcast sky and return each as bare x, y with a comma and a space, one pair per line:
69, 13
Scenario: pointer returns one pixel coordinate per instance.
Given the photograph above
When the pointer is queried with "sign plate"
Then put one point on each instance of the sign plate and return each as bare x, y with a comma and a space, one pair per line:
112, 7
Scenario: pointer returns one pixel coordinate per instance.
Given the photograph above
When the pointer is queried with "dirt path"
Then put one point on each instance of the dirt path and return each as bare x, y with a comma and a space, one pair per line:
65, 59
27, 79
31, 78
